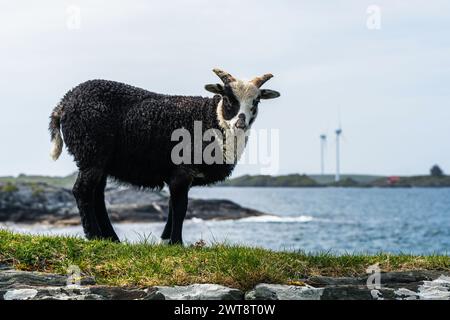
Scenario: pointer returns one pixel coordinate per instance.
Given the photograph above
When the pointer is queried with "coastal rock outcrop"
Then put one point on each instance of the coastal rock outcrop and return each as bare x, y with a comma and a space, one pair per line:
40, 202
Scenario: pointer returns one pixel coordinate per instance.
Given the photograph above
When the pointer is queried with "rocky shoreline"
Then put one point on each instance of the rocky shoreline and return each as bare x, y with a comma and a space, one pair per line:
408, 285
37, 202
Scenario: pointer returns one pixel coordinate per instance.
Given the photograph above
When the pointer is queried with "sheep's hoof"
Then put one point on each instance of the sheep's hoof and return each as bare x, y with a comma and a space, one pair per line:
113, 239
175, 242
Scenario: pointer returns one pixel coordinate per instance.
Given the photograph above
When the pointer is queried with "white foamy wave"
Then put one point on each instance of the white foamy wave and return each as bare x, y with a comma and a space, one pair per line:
271, 218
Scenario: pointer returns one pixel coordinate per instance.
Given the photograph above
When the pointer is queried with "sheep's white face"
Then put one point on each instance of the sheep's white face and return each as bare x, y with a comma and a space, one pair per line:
238, 107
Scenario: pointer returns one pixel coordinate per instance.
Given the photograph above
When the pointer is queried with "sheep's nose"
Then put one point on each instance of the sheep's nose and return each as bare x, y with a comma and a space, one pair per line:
240, 124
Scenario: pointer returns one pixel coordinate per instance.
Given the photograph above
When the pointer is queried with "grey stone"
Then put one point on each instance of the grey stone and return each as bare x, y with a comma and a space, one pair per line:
20, 294
50, 293
14, 278
322, 281
357, 293
119, 293
200, 292
437, 289
264, 291
408, 276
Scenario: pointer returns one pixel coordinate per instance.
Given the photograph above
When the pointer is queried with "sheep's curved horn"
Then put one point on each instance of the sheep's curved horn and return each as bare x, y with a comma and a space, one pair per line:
259, 81
224, 76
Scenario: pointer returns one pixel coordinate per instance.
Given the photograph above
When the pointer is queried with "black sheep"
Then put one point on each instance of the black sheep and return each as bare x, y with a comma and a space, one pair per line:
116, 130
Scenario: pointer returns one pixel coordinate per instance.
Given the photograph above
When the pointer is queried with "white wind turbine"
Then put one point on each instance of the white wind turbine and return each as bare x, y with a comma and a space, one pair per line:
323, 144
338, 155
338, 151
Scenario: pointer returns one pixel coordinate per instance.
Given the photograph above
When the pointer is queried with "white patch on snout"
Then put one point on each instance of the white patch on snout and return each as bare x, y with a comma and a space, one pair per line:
245, 93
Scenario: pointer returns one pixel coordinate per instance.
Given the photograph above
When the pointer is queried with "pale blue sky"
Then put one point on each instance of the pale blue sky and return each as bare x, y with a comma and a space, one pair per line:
392, 84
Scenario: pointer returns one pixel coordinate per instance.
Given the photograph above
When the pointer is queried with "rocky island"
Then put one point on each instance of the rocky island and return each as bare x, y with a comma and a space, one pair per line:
40, 202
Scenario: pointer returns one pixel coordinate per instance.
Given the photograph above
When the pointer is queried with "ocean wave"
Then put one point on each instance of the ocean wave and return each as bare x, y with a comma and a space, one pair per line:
197, 220
272, 218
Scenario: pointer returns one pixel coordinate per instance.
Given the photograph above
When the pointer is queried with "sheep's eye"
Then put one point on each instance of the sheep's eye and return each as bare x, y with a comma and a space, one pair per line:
226, 102
255, 102
230, 107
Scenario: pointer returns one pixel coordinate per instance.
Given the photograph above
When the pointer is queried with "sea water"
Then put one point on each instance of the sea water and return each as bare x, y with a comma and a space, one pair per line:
337, 220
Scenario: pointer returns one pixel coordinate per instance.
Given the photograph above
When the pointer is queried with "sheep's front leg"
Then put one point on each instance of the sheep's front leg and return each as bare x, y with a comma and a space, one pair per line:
179, 188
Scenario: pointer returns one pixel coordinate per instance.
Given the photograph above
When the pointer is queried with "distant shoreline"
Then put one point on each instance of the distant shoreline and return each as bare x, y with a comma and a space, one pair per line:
287, 181
346, 181
331, 187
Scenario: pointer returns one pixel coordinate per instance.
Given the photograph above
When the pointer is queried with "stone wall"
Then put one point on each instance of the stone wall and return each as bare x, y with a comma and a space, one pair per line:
24, 285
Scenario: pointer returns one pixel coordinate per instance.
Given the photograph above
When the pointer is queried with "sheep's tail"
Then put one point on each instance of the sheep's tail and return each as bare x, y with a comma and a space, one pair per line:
55, 133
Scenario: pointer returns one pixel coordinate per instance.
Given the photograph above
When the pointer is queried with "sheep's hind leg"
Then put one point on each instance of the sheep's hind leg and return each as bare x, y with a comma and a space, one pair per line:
84, 190
179, 188
165, 236
104, 223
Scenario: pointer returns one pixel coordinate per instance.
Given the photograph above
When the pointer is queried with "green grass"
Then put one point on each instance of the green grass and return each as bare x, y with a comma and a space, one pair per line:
8, 187
297, 180
149, 264
417, 181
64, 182
347, 180
290, 180
359, 178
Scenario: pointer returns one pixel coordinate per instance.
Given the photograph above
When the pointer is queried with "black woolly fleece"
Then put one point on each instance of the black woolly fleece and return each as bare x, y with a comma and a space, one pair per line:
126, 131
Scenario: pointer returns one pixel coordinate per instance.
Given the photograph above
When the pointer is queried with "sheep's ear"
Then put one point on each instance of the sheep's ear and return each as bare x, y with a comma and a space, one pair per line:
214, 88
269, 94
